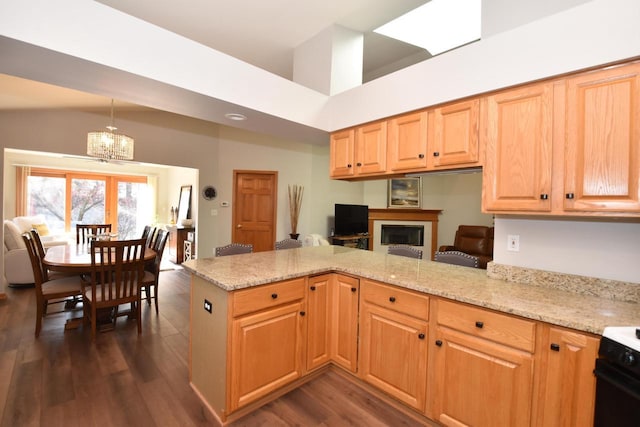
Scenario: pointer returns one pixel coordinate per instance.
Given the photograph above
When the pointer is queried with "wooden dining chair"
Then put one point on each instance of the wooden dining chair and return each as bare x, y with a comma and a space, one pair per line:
405, 250
149, 233
117, 269
234, 249
152, 270
288, 244
85, 231
48, 291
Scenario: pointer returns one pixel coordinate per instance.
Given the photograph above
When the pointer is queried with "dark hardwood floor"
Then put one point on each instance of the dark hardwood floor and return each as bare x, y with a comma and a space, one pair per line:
122, 379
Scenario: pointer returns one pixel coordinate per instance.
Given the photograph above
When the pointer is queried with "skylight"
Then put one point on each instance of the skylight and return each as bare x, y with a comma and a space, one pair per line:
437, 26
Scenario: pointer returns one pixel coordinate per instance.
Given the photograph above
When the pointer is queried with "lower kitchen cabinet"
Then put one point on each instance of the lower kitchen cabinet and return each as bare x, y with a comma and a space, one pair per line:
478, 379
567, 383
393, 342
267, 342
319, 320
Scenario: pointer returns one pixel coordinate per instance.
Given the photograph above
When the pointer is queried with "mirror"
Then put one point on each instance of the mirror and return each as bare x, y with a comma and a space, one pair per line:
184, 206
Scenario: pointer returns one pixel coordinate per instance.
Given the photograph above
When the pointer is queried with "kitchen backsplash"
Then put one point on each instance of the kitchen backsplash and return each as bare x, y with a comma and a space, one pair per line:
603, 288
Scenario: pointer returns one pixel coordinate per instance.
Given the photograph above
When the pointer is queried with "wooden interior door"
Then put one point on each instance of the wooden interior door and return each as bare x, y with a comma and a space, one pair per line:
254, 208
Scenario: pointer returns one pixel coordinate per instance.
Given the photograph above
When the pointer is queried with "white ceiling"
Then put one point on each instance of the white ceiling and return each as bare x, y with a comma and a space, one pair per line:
262, 33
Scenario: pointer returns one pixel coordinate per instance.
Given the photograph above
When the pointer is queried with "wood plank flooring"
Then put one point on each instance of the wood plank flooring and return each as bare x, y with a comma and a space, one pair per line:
122, 379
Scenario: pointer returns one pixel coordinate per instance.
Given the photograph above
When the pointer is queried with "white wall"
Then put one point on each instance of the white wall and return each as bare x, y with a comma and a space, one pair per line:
596, 248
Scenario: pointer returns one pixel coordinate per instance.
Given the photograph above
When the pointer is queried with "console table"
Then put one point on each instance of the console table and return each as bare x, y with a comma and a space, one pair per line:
178, 235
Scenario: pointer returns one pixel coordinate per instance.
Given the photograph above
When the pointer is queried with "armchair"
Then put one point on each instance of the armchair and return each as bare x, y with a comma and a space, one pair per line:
473, 240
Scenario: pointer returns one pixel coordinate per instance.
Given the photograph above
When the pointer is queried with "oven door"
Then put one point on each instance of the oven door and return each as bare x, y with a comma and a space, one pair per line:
617, 396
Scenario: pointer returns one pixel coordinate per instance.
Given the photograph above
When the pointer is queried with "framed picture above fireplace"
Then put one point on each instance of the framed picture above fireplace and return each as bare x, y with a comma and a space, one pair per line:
404, 193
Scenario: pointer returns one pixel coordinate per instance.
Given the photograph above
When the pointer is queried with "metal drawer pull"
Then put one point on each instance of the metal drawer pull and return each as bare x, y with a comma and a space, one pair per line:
302, 313
570, 196
353, 289
313, 288
439, 343
479, 325
544, 196
274, 296
421, 336
392, 299
555, 347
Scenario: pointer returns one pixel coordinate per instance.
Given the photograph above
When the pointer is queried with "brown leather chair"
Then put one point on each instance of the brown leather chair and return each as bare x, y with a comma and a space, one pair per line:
474, 240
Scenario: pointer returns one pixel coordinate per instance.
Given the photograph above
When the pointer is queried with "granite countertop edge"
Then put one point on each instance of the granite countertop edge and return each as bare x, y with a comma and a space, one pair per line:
566, 308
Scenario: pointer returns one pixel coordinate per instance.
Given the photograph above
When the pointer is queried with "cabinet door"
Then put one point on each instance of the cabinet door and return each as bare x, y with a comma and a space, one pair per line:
266, 353
408, 142
602, 155
517, 167
480, 383
342, 146
371, 149
319, 320
344, 317
454, 136
393, 353
567, 390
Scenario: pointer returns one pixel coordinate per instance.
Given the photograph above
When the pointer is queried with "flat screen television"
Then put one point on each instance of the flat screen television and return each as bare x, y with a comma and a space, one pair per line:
351, 219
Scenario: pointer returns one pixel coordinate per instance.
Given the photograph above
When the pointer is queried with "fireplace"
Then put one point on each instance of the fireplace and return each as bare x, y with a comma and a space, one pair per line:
402, 234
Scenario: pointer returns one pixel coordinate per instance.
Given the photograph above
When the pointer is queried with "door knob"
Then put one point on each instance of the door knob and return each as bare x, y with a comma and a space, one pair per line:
239, 226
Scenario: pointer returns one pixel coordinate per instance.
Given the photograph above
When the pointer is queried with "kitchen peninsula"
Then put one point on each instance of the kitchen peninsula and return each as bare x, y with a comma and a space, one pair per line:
420, 332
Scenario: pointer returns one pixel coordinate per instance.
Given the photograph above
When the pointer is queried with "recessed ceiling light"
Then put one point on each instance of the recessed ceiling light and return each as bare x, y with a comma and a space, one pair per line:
437, 26
235, 116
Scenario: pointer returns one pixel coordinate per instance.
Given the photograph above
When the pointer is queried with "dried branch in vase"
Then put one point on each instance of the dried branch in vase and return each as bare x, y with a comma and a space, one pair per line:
295, 203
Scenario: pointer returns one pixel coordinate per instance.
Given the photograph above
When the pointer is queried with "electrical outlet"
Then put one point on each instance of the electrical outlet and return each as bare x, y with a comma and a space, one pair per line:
208, 306
513, 243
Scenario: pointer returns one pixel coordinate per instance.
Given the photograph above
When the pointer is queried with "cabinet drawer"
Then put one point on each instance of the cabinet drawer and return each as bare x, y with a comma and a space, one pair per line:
408, 302
261, 297
501, 328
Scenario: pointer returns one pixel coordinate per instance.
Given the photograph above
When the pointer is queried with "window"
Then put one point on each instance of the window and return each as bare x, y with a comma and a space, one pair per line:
67, 198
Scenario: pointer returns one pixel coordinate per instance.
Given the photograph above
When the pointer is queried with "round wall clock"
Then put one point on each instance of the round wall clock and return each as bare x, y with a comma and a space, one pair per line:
209, 193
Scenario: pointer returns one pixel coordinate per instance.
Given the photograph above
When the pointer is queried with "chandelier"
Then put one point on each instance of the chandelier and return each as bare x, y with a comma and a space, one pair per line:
109, 145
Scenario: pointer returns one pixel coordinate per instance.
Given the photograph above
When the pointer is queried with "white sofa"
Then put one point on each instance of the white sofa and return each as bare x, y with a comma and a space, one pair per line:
17, 266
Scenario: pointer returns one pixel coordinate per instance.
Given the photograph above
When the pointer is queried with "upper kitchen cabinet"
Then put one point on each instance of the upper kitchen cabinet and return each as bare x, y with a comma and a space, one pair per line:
408, 142
454, 136
359, 152
342, 146
602, 148
518, 130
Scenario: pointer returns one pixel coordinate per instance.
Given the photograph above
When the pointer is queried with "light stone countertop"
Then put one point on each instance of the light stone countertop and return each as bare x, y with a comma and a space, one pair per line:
556, 306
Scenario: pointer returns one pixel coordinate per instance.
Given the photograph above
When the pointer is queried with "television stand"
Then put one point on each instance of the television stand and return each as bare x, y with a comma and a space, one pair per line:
353, 241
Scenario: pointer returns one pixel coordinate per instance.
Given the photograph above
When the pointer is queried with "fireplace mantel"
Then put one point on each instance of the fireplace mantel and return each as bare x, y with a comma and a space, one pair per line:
406, 215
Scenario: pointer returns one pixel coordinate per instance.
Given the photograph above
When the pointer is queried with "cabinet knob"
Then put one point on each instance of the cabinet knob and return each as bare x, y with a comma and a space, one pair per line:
313, 288
555, 347
421, 336
392, 299
353, 289
544, 196
421, 156
349, 165
569, 196
358, 164
480, 325
439, 343
436, 154
302, 313
274, 296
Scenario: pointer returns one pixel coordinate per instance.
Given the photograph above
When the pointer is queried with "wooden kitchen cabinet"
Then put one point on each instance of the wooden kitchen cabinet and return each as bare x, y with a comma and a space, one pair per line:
319, 311
602, 152
482, 364
567, 383
360, 151
344, 321
393, 341
332, 318
267, 340
408, 142
454, 136
518, 136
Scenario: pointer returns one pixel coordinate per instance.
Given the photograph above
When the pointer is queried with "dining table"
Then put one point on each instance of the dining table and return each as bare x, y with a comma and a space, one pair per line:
75, 258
